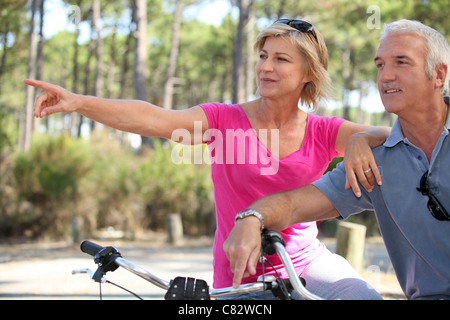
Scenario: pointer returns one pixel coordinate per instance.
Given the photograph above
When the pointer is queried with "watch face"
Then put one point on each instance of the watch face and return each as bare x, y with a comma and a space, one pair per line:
245, 213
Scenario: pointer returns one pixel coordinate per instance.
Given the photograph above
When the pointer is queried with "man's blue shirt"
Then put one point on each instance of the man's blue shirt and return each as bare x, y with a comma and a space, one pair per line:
417, 243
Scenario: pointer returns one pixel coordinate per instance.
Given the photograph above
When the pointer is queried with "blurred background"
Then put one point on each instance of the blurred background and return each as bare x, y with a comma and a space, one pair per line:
65, 175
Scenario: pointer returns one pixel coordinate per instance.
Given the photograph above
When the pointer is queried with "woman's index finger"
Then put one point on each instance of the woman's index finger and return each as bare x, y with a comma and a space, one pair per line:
40, 84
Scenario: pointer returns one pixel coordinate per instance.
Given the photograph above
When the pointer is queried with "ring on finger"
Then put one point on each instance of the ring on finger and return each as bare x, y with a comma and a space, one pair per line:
368, 170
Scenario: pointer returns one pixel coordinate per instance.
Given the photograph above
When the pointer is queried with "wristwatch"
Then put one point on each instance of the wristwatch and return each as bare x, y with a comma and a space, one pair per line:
250, 212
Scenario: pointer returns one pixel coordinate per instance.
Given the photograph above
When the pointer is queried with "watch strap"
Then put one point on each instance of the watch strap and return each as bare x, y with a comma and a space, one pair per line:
250, 212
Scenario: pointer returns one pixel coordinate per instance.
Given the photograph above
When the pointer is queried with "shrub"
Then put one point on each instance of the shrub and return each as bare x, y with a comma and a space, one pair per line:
47, 179
101, 183
167, 188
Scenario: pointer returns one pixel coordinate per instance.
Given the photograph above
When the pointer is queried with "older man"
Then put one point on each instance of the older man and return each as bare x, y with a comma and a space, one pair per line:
413, 203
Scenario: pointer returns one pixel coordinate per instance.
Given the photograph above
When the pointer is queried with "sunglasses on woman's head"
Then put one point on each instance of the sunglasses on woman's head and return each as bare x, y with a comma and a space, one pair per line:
299, 25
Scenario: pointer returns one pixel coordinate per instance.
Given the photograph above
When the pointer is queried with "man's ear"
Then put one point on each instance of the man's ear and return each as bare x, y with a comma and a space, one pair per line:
441, 74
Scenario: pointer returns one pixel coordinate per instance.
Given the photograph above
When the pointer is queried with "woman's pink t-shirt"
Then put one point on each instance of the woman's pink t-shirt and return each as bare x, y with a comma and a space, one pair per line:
244, 170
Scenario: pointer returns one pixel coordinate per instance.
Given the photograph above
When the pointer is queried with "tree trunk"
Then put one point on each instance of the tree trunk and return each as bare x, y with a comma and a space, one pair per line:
39, 57
26, 122
74, 117
348, 76
250, 72
112, 64
140, 59
238, 65
140, 62
5, 51
125, 65
96, 16
87, 74
168, 86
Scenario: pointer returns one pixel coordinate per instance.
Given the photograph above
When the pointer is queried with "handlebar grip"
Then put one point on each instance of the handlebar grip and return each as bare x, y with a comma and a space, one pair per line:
268, 240
90, 248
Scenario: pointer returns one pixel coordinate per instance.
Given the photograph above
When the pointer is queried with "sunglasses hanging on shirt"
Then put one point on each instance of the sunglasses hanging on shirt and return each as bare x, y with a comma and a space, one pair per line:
434, 206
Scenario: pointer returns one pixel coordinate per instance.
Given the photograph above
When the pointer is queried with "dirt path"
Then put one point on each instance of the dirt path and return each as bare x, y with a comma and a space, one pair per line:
43, 271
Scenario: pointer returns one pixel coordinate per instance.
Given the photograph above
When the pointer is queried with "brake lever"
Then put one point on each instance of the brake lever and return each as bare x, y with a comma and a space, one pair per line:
89, 272
105, 259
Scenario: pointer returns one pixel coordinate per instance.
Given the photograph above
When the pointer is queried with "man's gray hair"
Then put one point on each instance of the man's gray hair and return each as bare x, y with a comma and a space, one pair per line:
437, 46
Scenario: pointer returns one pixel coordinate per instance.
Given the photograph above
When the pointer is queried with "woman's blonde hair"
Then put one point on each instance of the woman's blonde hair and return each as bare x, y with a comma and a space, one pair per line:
312, 47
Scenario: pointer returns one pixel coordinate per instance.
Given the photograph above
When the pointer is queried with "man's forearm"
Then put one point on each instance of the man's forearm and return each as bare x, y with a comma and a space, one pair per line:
279, 211
283, 209
276, 210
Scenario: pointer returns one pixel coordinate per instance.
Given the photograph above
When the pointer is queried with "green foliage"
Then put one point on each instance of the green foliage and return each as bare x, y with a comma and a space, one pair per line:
110, 194
105, 184
8, 134
175, 188
8, 131
52, 168
47, 180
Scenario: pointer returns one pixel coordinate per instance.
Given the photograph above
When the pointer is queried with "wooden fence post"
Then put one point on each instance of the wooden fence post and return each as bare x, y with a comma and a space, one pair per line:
174, 228
350, 243
77, 229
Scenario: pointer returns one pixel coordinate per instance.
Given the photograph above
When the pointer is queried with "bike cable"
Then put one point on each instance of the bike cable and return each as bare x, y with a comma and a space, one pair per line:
118, 286
281, 283
115, 284
262, 259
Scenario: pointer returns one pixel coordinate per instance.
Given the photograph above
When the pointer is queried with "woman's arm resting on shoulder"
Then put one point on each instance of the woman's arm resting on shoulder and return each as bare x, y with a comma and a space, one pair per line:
356, 142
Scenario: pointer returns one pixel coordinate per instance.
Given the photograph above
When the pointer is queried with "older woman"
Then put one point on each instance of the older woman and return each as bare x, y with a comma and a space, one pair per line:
259, 147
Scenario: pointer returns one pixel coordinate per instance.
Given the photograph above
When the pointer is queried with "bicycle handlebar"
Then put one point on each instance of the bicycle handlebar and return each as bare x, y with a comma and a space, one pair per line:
109, 259
90, 248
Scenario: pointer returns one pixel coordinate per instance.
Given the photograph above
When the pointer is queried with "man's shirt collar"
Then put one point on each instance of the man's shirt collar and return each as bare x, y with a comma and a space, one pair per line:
396, 135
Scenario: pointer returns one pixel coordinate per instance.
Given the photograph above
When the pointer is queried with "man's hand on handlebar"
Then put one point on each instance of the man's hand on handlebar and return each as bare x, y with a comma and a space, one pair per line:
243, 248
